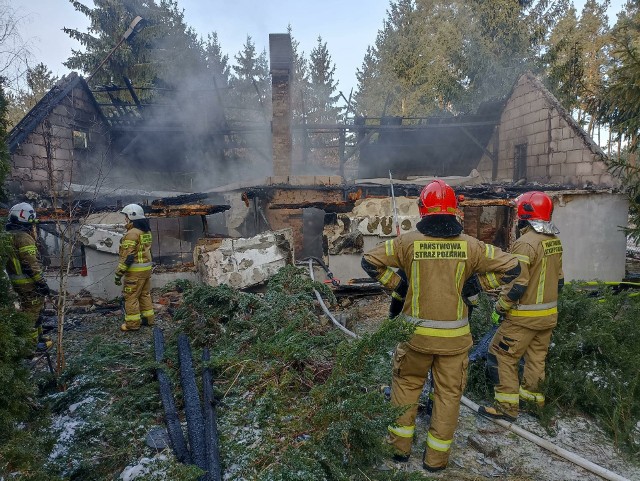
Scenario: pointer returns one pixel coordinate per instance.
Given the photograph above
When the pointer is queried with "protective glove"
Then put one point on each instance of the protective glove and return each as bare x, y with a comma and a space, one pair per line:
42, 288
118, 281
496, 317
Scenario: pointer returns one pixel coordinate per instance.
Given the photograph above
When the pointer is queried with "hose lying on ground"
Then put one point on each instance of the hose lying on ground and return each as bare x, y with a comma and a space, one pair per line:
210, 423
192, 405
176, 436
549, 446
324, 307
543, 443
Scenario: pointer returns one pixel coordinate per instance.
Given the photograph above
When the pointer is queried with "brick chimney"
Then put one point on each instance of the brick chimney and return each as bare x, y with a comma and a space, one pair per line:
281, 57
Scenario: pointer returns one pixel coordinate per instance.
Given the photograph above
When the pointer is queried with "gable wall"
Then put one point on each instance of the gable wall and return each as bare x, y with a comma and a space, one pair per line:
33, 170
558, 150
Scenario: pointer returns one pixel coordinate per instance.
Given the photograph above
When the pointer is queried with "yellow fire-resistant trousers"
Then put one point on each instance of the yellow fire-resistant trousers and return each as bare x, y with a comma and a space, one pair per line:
136, 291
31, 304
410, 369
510, 343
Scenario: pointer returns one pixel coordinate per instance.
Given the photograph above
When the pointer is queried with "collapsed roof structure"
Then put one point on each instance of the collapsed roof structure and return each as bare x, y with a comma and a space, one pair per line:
75, 145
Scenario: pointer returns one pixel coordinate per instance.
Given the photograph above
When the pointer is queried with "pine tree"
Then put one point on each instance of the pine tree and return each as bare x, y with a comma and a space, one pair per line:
14, 327
300, 82
250, 82
165, 51
322, 104
39, 81
563, 60
217, 63
618, 103
437, 55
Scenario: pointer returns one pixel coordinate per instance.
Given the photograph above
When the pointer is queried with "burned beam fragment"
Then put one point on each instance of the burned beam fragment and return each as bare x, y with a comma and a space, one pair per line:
178, 200
329, 207
185, 210
48, 215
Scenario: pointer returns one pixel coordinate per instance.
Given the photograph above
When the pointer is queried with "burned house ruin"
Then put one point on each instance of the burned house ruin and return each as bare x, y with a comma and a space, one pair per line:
73, 145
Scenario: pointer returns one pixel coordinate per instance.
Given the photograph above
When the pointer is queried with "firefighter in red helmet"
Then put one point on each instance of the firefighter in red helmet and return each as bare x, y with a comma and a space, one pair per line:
527, 310
437, 258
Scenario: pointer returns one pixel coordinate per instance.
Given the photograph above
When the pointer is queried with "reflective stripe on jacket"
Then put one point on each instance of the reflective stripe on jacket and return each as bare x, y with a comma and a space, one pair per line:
541, 270
23, 265
135, 252
437, 269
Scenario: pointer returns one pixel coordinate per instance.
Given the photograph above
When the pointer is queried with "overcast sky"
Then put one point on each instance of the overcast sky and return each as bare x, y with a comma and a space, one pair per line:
348, 27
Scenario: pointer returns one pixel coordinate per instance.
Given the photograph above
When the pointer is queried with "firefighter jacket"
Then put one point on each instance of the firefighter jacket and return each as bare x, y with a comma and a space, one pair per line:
135, 252
23, 266
437, 269
531, 300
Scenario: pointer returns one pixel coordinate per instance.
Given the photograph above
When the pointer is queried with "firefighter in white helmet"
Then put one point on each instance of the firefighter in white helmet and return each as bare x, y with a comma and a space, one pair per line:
135, 266
438, 259
23, 266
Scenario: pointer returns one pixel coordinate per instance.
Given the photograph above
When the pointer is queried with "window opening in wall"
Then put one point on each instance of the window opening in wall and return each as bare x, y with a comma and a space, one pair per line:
80, 140
520, 164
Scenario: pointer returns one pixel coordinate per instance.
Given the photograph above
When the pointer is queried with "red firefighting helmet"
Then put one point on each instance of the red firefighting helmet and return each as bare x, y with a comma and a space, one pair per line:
437, 197
534, 205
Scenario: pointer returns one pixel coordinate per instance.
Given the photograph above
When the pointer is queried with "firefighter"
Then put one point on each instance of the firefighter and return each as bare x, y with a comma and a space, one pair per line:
438, 260
526, 310
135, 265
24, 267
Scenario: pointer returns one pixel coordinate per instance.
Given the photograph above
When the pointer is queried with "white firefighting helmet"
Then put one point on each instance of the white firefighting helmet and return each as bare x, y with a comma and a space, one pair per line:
133, 211
23, 213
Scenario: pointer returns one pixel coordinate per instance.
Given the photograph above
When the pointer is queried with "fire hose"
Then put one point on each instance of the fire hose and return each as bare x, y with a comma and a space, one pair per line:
543, 443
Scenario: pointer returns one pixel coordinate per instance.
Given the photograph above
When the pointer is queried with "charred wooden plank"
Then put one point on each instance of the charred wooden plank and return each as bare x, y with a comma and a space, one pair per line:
329, 207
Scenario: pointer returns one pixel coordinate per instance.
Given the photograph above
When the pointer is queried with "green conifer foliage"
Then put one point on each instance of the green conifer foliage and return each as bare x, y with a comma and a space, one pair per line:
14, 327
298, 400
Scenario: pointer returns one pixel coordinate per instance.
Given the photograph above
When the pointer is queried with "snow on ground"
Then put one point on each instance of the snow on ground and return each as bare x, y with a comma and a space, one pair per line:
518, 459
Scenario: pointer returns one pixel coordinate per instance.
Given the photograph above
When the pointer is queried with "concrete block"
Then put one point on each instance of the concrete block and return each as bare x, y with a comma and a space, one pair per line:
33, 150
580, 143
574, 156
568, 170
22, 161
530, 118
556, 135
544, 113
539, 148
568, 132
21, 173
607, 179
555, 120
39, 187
584, 168
589, 179
599, 168
565, 145
555, 170
40, 175
558, 158
540, 126
63, 154
336, 180
588, 156
538, 173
